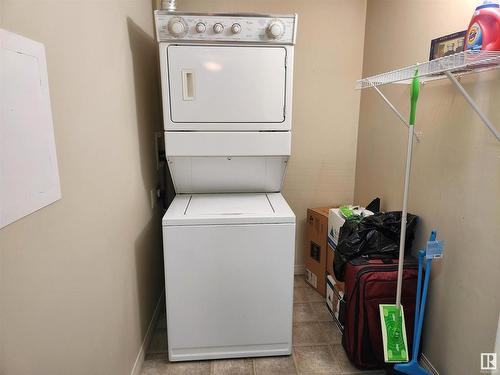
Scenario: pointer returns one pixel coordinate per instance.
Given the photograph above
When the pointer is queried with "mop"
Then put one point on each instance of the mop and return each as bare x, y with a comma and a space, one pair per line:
392, 316
434, 250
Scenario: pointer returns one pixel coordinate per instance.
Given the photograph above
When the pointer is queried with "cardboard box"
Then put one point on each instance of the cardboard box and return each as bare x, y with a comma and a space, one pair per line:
330, 255
335, 222
316, 247
335, 301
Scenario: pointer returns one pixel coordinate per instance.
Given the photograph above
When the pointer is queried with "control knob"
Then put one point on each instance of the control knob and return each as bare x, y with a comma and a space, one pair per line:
200, 27
236, 28
275, 29
218, 28
177, 26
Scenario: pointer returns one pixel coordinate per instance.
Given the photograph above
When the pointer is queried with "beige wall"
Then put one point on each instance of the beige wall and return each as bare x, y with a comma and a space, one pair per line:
79, 279
455, 177
326, 107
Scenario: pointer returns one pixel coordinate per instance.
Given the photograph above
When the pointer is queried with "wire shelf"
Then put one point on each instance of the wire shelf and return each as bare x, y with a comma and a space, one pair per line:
459, 63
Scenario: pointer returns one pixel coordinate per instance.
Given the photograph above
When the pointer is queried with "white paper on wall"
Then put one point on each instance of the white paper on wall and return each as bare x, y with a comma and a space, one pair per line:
29, 177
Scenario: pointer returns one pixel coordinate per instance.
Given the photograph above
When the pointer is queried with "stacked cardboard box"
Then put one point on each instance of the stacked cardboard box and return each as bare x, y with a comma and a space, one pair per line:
335, 300
335, 289
330, 256
315, 252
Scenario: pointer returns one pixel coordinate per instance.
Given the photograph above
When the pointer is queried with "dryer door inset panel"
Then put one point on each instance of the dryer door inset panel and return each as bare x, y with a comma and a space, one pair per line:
218, 84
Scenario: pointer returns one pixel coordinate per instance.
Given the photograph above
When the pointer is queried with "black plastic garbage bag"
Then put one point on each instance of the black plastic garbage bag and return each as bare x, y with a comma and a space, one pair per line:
375, 236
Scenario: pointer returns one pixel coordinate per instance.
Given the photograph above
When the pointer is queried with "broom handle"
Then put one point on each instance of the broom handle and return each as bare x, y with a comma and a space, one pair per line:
402, 239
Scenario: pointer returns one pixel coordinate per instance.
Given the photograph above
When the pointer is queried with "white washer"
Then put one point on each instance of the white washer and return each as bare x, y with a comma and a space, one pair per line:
227, 108
229, 275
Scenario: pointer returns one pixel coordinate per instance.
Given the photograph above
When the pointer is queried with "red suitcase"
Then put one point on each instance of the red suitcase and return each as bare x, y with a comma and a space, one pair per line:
368, 283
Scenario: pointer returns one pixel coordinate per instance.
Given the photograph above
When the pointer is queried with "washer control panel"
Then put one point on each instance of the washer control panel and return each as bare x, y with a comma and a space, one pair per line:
253, 28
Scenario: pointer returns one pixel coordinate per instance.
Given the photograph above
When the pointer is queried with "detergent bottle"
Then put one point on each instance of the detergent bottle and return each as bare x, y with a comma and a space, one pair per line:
484, 28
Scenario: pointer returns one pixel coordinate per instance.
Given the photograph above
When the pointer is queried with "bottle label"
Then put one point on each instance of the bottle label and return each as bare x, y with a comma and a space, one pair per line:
475, 37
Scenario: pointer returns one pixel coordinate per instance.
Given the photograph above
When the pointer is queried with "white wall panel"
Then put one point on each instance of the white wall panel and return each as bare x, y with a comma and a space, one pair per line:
29, 177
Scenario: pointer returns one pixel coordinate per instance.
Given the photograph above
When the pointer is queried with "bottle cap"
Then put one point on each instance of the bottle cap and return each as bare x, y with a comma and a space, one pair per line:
488, 4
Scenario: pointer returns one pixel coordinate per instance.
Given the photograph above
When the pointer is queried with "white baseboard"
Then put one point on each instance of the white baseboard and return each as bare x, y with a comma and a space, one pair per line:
300, 269
428, 365
136, 370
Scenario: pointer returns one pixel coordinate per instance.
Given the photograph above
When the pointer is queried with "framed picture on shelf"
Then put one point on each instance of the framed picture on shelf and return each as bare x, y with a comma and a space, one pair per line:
447, 45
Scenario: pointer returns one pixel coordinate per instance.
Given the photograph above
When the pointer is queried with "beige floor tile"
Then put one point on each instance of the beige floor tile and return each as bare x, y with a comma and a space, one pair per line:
308, 333
321, 311
275, 366
316, 360
345, 364
158, 342
303, 312
154, 367
299, 281
233, 367
189, 368
314, 296
301, 295
331, 332
298, 295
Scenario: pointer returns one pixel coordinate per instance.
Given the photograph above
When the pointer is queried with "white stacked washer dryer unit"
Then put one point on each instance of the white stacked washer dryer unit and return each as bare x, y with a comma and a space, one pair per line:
229, 235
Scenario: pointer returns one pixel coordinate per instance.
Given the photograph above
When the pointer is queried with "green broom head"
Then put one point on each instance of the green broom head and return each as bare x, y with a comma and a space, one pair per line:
393, 333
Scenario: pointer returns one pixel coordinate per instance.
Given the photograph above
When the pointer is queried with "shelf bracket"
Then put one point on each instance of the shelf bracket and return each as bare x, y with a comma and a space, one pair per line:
473, 104
394, 109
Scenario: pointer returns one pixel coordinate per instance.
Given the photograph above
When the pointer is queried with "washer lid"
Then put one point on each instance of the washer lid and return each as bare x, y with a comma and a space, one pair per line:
203, 209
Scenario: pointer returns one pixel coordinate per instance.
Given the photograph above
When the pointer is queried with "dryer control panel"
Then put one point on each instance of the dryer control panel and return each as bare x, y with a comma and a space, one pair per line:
224, 27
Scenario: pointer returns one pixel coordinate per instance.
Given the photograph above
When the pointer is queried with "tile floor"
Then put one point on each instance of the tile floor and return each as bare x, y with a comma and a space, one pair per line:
316, 347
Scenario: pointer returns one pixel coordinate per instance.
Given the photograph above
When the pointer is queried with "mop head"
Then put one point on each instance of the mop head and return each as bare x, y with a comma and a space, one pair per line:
393, 333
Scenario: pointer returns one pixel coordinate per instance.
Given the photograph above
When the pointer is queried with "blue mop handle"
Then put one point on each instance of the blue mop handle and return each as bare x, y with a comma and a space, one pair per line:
421, 255
421, 309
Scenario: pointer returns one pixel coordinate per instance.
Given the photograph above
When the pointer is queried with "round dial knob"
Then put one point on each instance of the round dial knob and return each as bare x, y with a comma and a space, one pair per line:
177, 26
236, 28
275, 29
200, 27
218, 28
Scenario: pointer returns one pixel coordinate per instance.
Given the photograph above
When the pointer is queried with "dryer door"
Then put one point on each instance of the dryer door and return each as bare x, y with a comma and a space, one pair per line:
226, 85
